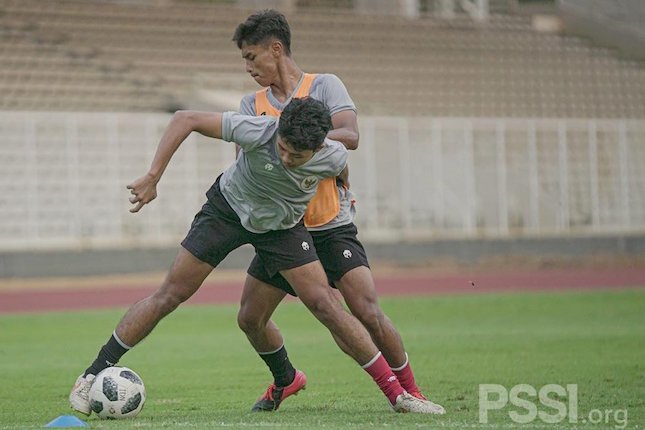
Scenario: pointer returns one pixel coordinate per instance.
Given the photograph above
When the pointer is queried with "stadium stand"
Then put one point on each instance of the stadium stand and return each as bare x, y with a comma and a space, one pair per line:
98, 56
615, 23
473, 130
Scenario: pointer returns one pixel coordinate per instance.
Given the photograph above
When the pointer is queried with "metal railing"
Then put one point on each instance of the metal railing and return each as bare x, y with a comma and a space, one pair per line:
63, 178
499, 177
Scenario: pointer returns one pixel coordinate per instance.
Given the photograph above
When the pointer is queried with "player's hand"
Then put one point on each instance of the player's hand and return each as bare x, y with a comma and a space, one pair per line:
143, 190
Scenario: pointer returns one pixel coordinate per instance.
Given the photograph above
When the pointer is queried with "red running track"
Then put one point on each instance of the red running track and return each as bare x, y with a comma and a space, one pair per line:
387, 285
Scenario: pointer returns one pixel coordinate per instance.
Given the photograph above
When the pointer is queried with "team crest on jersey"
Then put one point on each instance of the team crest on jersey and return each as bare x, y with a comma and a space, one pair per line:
268, 167
308, 183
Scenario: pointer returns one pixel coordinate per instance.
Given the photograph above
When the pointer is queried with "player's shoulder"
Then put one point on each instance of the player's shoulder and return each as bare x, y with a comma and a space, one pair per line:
248, 131
248, 99
326, 79
333, 145
249, 122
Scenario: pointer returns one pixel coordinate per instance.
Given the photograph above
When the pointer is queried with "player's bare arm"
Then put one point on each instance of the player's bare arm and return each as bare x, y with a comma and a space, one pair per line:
346, 132
344, 176
345, 129
144, 189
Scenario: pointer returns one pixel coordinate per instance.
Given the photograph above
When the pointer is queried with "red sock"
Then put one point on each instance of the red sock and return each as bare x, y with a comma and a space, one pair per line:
406, 377
380, 371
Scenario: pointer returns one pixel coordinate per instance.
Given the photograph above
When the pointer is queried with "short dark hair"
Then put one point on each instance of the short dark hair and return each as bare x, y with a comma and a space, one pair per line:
262, 26
304, 123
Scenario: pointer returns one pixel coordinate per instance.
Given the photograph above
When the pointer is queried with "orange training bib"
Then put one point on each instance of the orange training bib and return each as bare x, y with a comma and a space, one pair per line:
325, 204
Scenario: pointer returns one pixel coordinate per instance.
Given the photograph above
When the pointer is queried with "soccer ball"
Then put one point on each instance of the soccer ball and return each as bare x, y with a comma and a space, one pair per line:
116, 393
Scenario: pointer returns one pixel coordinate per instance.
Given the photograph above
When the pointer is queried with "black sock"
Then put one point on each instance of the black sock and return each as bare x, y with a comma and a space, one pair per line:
109, 355
280, 366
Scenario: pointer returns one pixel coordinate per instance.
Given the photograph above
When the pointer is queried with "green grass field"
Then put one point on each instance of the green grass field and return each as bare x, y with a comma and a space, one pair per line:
200, 372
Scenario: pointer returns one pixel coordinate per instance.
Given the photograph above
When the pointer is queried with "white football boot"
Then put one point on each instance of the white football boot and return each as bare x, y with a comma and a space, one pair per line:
408, 403
79, 398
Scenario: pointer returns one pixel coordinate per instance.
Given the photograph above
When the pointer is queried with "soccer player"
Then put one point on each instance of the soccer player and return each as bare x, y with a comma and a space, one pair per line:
264, 40
260, 200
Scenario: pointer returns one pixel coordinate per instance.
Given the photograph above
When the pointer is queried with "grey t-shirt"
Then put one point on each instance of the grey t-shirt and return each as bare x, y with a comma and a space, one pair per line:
330, 90
265, 194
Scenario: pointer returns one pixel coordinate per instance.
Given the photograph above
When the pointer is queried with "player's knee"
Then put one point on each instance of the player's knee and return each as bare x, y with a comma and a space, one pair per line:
325, 308
165, 304
169, 298
372, 318
247, 323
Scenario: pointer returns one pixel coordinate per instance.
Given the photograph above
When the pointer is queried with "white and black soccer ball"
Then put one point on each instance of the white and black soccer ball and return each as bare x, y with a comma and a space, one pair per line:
116, 393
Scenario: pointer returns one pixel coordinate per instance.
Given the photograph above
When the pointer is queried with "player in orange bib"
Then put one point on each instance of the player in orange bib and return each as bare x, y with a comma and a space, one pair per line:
264, 40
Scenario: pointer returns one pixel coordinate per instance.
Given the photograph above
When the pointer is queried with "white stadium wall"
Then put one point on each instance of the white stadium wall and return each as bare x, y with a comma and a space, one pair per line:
63, 179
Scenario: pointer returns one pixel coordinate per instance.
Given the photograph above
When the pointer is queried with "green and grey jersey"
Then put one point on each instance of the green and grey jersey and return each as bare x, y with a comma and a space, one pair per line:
330, 90
262, 192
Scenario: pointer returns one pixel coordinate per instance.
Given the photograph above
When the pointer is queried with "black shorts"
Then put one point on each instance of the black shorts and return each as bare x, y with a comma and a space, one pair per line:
339, 251
217, 230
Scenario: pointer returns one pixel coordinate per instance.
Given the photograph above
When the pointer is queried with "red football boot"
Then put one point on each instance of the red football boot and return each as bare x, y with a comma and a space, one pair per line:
274, 396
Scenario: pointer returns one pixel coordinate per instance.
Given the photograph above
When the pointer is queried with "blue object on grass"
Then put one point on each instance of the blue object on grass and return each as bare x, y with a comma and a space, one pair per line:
66, 421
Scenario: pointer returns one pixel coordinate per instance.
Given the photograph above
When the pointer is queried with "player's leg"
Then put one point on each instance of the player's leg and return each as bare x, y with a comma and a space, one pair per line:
213, 234
257, 304
259, 300
345, 261
357, 288
309, 282
262, 293
346, 264
184, 278
291, 253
